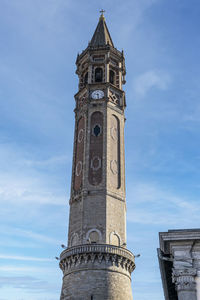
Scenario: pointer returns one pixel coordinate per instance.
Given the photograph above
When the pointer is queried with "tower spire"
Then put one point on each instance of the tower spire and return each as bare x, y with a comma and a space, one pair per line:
101, 36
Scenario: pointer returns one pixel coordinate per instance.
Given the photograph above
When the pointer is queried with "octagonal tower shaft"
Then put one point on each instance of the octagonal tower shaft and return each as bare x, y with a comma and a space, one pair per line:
97, 222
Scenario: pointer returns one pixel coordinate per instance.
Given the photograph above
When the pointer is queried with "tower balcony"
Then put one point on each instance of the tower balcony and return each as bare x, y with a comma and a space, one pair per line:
97, 256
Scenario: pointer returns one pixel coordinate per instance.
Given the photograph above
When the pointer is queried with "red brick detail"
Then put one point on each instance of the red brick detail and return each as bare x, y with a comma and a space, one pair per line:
115, 167
78, 167
96, 150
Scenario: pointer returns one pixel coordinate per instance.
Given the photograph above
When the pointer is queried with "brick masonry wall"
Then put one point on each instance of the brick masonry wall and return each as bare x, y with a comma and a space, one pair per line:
80, 135
97, 284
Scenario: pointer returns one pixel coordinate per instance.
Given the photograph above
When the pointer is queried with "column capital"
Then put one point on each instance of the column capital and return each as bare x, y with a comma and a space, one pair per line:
184, 279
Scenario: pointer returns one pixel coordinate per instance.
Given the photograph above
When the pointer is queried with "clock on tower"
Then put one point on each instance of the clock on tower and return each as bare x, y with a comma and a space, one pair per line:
96, 264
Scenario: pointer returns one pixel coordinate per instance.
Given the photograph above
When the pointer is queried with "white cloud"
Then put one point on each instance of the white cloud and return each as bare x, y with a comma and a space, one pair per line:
21, 179
27, 190
25, 258
156, 206
27, 283
52, 161
151, 79
124, 33
17, 232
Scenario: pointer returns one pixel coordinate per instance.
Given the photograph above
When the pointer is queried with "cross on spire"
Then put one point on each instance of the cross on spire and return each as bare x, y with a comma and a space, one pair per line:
102, 11
102, 15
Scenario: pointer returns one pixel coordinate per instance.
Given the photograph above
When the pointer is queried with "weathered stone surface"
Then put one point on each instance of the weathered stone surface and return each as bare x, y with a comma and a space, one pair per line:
98, 271
101, 284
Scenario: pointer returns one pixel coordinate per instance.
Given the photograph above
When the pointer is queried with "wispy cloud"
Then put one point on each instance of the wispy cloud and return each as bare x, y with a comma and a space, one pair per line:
17, 232
125, 32
157, 206
151, 79
21, 179
24, 190
52, 161
24, 258
23, 270
27, 283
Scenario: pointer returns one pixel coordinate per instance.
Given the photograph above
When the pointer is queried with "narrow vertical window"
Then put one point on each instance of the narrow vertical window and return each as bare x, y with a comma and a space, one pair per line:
86, 78
92, 298
112, 77
98, 75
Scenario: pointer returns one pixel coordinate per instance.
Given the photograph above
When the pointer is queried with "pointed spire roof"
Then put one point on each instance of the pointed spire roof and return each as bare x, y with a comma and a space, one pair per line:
101, 35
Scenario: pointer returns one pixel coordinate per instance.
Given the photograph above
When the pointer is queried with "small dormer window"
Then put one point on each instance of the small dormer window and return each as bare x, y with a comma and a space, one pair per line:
112, 77
98, 75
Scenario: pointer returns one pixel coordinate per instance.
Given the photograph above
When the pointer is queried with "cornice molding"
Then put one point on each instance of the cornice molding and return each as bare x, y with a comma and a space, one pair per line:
110, 255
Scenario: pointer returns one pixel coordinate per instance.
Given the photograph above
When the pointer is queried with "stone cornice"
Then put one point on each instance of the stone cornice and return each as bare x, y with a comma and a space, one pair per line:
82, 193
177, 236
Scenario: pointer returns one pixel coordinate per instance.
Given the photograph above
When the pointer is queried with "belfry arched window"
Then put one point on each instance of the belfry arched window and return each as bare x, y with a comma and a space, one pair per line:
112, 76
98, 75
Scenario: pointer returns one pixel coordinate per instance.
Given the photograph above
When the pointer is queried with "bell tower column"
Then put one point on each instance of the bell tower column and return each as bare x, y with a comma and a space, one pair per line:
96, 264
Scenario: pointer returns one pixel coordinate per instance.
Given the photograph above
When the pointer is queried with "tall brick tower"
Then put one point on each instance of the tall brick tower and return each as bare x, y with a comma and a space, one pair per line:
96, 264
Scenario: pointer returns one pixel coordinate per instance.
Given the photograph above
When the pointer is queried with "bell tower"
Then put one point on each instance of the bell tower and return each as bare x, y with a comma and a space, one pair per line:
96, 264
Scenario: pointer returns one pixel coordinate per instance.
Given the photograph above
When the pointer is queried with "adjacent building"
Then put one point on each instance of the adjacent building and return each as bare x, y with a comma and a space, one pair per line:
179, 258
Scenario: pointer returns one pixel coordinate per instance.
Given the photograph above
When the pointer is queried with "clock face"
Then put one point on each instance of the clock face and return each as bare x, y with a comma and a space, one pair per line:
98, 94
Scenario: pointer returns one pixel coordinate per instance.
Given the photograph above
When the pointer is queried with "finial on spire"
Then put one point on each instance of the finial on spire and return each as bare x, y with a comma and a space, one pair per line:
102, 11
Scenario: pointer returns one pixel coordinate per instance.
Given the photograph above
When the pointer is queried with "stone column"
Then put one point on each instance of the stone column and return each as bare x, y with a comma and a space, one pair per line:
107, 75
197, 279
184, 280
196, 264
90, 74
120, 75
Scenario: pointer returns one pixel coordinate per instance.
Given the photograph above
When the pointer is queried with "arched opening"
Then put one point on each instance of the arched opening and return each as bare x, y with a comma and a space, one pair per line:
112, 77
94, 237
114, 239
98, 75
86, 78
74, 239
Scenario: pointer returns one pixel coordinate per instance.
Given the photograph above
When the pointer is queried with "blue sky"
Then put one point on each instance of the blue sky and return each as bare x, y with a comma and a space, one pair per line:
39, 44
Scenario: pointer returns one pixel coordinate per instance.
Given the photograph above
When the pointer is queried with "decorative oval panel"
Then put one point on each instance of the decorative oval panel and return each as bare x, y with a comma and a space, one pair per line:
96, 148
115, 152
78, 168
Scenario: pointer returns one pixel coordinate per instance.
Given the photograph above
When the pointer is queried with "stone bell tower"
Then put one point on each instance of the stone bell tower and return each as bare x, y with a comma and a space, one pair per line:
96, 264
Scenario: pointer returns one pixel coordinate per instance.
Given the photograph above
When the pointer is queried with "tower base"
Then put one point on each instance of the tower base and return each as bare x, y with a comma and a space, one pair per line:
96, 272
